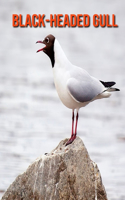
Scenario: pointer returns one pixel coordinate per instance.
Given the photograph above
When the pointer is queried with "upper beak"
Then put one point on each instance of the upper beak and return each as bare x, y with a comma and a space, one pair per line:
42, 48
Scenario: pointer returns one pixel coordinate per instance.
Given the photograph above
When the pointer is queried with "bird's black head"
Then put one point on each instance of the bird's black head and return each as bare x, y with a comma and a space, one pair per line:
49, 47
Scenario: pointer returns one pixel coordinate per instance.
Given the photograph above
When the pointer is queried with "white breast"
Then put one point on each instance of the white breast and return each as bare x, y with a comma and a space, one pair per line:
61, 73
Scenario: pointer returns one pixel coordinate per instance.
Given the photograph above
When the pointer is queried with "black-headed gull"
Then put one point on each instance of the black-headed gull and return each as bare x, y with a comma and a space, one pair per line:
75, 87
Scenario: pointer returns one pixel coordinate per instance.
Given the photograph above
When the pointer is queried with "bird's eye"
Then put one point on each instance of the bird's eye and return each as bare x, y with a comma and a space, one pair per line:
47, 40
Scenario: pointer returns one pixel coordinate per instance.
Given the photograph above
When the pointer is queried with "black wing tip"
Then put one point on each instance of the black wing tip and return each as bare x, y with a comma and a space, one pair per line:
116, 89
108, 84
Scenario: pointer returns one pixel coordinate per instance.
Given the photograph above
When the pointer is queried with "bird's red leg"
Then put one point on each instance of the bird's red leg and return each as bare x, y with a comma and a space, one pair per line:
72, 123
77, 116
73, 135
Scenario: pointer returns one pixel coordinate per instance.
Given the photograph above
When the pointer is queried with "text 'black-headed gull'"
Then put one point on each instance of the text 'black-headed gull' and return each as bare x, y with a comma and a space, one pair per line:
75, 87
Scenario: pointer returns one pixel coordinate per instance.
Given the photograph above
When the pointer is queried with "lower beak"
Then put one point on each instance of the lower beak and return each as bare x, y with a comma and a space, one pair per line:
42, 48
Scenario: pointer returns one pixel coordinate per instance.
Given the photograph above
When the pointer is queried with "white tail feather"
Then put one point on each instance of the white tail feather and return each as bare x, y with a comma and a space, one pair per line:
112, 89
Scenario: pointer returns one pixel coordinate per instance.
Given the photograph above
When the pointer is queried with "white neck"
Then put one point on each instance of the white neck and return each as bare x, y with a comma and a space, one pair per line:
60, 57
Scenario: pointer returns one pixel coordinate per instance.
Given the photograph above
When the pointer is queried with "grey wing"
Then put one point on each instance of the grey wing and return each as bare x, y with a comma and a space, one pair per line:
82, 87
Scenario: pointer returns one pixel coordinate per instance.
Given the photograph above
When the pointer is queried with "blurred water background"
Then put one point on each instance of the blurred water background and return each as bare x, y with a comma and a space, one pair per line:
32, 118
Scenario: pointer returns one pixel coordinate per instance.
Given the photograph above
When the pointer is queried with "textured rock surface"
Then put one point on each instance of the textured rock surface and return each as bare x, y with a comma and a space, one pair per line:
67, 173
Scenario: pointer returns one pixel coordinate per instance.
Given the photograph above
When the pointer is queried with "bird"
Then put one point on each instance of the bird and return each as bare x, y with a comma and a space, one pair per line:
76, 88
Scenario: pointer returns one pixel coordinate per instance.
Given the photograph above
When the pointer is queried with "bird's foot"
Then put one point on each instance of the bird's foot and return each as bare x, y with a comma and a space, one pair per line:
71, 140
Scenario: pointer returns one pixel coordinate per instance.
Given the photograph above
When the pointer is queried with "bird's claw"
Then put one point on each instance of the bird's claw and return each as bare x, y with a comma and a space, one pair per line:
71, 140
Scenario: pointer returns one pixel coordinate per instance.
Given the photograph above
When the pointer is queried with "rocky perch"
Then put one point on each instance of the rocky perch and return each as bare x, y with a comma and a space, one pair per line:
67, 173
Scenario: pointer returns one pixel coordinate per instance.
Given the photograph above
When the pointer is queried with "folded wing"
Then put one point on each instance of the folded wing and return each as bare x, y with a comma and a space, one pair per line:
82, 87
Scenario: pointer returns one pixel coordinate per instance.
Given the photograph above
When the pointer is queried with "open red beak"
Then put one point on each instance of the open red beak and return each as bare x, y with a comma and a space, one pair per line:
42, 48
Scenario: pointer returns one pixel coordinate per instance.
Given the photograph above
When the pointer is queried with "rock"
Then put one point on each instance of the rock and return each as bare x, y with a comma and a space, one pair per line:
67, 173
